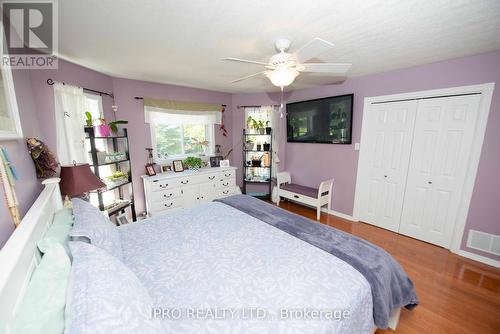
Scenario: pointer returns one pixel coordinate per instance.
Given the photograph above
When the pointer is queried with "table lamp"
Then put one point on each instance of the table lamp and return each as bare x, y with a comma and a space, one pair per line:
77, 180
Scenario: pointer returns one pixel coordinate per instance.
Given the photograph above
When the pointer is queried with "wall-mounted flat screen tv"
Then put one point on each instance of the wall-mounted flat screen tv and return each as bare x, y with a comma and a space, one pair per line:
327, 120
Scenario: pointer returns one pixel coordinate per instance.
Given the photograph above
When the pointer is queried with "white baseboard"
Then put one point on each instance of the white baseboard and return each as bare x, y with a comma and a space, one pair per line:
479, 258
339, 214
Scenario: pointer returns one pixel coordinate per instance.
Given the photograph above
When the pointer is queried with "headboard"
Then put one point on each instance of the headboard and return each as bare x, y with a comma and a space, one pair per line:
20, 256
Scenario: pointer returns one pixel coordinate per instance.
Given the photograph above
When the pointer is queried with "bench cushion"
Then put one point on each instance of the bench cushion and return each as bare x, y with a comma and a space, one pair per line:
303, 190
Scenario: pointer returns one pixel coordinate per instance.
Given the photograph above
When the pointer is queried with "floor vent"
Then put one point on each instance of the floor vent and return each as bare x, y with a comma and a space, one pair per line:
486, 242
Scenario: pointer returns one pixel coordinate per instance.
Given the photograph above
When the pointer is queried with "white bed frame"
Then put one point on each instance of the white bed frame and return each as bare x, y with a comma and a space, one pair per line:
20, 256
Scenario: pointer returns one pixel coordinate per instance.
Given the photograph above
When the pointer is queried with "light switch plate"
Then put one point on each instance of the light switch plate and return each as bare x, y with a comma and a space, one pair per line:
356, 147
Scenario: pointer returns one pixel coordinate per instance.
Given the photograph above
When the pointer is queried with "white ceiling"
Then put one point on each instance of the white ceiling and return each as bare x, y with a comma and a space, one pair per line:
182, 42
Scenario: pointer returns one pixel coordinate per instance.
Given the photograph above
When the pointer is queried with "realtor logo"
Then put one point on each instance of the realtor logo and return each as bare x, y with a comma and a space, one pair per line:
29, 34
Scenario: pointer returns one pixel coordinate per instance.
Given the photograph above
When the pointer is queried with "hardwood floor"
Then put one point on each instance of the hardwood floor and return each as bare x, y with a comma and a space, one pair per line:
457, 295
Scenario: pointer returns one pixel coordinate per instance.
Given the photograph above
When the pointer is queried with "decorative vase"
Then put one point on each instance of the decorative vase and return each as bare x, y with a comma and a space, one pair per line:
259, 146
104, 130
267, 147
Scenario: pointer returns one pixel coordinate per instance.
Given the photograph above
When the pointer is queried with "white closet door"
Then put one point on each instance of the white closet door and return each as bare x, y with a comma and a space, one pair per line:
386, 147
442, 143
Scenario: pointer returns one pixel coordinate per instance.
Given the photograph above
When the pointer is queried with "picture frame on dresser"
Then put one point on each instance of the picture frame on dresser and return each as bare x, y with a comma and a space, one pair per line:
165, 168
178, 166
150, 170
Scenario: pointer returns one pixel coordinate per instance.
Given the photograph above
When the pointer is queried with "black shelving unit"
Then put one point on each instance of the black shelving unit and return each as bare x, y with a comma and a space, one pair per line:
263, 172
112, 141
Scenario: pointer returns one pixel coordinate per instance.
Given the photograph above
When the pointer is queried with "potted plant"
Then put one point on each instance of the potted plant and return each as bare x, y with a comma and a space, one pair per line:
88, 119
267, 146
249, 144
103, 128
268, 128
193, 163
114, 125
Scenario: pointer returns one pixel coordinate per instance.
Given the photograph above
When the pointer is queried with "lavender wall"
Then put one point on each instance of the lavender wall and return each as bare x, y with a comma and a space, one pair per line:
27, 188
340, 161
139, 132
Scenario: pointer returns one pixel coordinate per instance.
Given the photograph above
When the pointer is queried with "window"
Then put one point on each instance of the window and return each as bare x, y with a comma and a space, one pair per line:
181, 140
176, 134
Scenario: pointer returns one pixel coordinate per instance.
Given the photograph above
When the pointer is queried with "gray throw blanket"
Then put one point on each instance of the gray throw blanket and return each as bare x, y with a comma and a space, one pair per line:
391, 287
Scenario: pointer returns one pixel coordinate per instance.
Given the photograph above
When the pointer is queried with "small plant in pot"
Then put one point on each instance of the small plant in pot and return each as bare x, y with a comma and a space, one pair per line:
193, 163
88, 119
267, 146
268, 128
114, 125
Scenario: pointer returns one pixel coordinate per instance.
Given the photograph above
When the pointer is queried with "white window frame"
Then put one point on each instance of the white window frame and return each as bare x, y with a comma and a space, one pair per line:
98, 98
209, 135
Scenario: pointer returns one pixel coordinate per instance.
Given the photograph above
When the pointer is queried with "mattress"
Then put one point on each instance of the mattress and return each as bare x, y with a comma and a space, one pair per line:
215, 269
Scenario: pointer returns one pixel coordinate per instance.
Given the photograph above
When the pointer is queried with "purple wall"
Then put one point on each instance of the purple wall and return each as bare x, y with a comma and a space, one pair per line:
140, 138
340, 161
27, 188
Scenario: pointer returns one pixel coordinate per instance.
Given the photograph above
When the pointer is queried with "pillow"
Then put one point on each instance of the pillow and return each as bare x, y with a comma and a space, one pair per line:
90, 223
42, 308
105, 296
58, 232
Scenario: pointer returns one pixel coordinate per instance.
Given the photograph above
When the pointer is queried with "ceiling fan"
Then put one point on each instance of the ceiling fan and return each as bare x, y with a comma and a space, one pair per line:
284, 67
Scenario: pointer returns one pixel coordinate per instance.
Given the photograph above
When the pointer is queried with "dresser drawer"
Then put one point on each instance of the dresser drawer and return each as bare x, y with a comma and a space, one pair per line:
165, 195
226, 183
166, 204
228, 174
224, 192
159, 185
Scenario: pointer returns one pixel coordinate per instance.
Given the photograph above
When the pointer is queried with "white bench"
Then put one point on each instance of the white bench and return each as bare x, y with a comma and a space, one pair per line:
316, 197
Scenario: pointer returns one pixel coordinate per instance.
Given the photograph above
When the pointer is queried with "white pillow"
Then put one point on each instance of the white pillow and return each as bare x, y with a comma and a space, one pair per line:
104, 296
90, 223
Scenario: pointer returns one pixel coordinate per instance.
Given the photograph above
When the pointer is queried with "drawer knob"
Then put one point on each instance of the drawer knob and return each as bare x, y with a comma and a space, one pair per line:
227, 175
168, 205
185, 182
225, 192
225, 184
211, 177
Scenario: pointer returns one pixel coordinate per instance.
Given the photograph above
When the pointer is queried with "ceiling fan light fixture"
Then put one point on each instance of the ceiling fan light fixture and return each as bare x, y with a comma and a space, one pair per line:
282, 77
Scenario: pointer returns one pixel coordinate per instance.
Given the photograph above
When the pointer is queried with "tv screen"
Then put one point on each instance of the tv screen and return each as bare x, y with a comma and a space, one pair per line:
327, 120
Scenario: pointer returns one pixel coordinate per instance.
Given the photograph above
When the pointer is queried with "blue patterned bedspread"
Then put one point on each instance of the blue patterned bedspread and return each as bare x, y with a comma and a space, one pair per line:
215, 269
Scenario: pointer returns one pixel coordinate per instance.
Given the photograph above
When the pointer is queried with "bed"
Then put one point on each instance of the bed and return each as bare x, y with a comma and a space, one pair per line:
242, 274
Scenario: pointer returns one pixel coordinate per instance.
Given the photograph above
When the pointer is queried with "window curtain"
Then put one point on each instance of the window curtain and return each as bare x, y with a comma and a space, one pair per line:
69, 103
178, 113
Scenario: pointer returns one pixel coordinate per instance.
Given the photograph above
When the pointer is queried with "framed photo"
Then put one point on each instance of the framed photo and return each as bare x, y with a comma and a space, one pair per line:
150, 170
215, 161
178, 166
224, 163
10, 124
166, 168
122, 219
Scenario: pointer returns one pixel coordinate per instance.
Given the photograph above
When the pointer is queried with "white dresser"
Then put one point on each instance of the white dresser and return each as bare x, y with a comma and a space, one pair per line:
171, 191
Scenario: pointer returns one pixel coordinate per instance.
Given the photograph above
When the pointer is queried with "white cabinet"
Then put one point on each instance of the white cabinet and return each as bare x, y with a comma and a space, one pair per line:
170, 191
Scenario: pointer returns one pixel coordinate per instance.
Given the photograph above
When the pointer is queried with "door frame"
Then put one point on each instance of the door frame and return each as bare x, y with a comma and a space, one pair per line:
486, 91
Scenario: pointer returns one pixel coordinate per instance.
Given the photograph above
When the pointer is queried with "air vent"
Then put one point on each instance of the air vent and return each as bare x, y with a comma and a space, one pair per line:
485, 242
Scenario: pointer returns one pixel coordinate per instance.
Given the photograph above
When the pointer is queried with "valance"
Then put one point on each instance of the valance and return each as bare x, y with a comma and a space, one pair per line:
181, 105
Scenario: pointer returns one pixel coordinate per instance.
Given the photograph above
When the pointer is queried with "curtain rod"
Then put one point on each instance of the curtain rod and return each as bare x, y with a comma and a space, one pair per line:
50, 82
274, 105
141, 98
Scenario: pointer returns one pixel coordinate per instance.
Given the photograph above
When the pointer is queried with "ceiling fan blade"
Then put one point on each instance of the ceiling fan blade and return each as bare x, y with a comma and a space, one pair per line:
325, 68
314, 48
248, 76
246, 61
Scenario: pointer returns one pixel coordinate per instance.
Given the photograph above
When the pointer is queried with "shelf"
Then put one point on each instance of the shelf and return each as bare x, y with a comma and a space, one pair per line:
257, 167
115, 209
110, 137
110, 163
116, 186
257, 181
256, 151
256, 134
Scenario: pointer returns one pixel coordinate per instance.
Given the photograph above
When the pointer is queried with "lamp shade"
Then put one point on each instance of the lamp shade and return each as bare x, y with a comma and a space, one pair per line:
78, 179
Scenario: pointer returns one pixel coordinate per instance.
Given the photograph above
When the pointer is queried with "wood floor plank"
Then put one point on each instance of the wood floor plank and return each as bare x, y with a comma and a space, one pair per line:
457, 295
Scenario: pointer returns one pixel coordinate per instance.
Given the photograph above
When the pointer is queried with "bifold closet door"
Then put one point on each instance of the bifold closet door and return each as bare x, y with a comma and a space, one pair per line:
386, 146
444, 130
